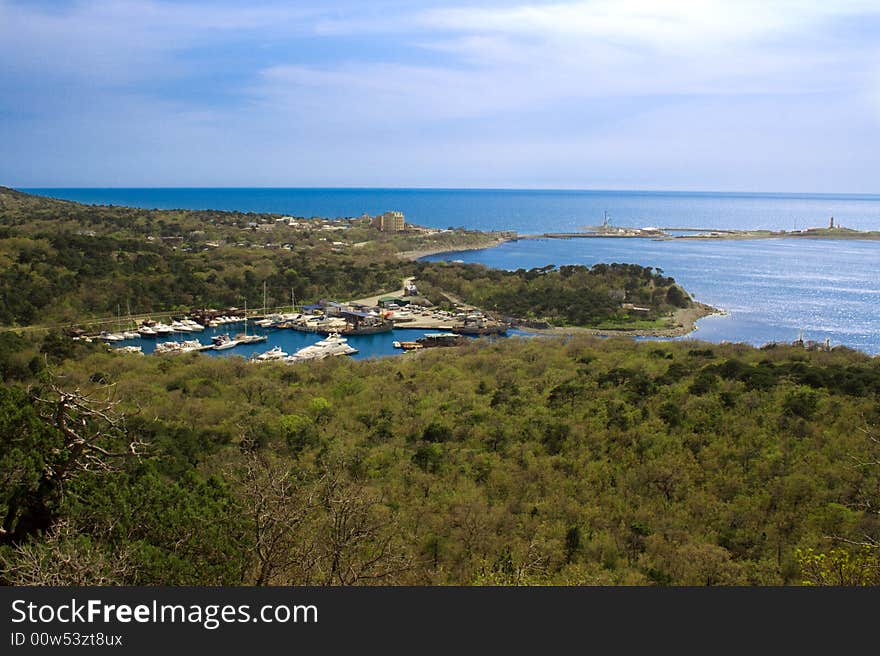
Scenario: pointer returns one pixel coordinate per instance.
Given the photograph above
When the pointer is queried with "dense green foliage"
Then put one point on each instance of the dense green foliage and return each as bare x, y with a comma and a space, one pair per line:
66, 276
568, 295
66, 262
575, 461
521, 461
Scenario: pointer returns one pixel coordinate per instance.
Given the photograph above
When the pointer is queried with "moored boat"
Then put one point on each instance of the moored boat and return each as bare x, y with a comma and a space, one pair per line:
274, 353
224, 343
333, 344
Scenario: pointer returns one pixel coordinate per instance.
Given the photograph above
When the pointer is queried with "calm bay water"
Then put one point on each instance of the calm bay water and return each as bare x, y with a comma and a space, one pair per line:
771, 289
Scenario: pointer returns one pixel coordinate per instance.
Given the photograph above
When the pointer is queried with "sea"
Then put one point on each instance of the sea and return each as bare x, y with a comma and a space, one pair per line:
770, 290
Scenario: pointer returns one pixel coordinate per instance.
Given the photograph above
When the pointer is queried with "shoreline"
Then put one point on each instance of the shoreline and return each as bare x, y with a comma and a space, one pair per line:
726, 235
685, 320
718, 235
425, 252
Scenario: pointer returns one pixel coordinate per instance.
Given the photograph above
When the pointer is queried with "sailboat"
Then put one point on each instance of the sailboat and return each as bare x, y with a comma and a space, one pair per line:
131, 332
244, 338
108, 336
268, 320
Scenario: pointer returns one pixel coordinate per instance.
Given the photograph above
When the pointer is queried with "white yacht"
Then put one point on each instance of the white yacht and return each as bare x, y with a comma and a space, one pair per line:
274, 353
269, 320
223, 342
179, 347
331, 345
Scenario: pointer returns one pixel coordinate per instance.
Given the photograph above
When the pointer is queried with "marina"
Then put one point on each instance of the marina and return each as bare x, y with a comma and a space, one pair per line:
378, 326
286, 341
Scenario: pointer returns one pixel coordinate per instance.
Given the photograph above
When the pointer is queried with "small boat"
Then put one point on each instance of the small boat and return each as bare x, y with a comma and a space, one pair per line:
146, 331
223, 344
130, 334
163, 329
241, 338
269, 321
110, 337
274, 353
191, 345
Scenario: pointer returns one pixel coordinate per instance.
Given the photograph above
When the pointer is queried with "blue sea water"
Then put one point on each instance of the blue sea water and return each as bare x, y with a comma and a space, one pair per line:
525, 211
770, 289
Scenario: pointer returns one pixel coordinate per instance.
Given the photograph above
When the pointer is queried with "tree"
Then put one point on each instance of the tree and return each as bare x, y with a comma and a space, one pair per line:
358, 537
840, 567
277, 503
50, 437
64, 558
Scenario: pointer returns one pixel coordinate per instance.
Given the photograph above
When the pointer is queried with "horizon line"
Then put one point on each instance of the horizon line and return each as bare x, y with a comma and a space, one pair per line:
512, 189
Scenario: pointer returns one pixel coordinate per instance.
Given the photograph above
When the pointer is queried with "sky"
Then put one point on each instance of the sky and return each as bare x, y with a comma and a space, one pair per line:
746, 95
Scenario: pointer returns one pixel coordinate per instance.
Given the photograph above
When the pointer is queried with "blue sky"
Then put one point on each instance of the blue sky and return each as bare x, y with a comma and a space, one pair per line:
622, 94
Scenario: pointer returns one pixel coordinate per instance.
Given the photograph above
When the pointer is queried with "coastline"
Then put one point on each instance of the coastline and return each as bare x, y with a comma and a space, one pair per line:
685, 320
836, 234
425, 252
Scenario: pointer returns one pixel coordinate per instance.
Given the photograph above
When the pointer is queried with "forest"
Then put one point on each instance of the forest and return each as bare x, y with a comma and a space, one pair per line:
566, 296
70, 263
521, 461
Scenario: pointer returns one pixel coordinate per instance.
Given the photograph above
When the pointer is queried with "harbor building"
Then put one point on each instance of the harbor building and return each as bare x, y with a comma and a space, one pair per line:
389, 222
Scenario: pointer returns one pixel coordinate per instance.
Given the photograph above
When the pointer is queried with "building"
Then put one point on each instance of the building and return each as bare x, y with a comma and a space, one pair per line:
389, 222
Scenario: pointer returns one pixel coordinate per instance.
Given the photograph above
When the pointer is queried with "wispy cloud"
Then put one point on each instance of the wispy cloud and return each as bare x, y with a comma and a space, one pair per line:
126, 40
483, 93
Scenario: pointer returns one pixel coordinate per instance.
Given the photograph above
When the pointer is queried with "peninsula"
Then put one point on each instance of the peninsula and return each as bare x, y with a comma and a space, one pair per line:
608, 231
71, 265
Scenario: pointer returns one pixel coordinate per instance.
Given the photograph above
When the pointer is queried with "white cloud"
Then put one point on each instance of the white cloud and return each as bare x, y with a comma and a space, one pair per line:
518, 58
594, 93
112, 41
